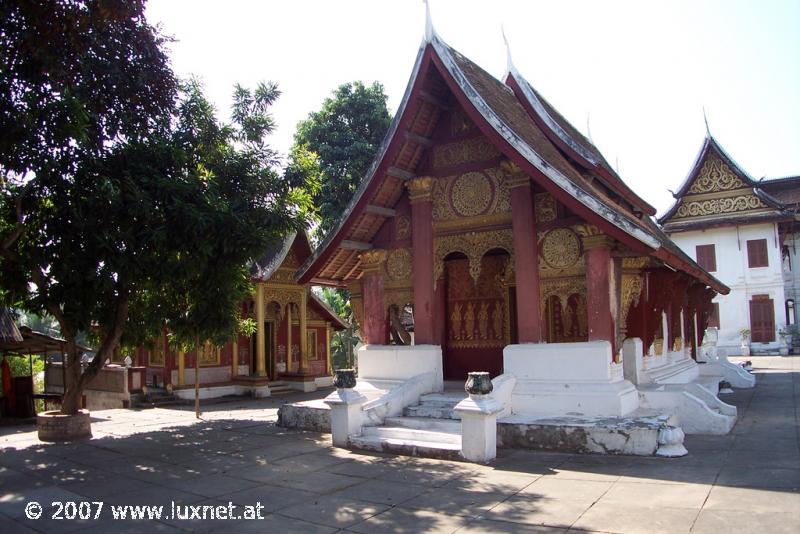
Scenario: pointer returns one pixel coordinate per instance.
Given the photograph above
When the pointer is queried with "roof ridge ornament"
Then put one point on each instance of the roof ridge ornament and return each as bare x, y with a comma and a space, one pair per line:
510, 67
430, 32
705, 119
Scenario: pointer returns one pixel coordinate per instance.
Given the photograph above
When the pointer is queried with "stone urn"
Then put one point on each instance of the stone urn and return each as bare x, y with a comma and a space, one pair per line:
478, 383
56, 426
344, 378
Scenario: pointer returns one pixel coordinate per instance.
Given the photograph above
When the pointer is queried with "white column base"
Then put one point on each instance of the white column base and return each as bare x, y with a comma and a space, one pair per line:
346, 415
568, 379
479, 427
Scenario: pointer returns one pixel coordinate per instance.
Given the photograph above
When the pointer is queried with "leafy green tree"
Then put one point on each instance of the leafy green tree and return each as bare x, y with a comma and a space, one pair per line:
124, 211
343, 343
336, 145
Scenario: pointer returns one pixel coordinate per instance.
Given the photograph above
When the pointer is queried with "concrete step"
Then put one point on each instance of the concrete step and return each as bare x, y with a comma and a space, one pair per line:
411, 434
446, 397
431, 411
408, 447
425, 423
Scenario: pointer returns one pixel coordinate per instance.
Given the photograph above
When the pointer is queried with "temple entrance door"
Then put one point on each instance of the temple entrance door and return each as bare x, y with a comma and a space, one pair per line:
476, 316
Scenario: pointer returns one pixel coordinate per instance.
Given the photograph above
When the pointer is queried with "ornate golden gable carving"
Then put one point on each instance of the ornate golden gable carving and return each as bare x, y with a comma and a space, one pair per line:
467, 151
714, 176
473, 245
561, 248
632, 285
402, 227
399, 265
561, 288
544, 207
372, 260
718, 206
420, 188
471, 198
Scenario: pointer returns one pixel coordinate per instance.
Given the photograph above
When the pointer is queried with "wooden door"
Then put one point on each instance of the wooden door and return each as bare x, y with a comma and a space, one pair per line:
762, 319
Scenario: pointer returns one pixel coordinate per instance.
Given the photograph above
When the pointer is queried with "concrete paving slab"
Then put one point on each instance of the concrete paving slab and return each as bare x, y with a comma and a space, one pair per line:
410, 520
334, 511
384, 492
611, 517
715, 521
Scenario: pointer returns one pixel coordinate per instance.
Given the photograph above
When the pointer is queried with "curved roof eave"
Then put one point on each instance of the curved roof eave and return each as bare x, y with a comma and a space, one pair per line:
334, 235
531, 156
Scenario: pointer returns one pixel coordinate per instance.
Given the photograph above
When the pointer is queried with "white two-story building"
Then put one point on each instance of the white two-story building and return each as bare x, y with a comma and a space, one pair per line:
740, 231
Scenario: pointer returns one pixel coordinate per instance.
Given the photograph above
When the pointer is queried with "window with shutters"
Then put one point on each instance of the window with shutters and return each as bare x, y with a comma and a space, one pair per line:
713, 317
757, 253
762, 319
706, 257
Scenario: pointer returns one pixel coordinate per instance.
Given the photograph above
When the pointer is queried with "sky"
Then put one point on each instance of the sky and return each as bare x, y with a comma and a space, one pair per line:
637, 75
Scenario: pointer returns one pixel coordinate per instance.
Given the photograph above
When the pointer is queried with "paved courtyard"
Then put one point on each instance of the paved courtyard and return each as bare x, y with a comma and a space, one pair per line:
747, 481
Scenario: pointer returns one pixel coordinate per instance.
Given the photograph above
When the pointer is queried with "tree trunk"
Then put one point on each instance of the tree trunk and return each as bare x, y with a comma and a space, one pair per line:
76, 378
73, 393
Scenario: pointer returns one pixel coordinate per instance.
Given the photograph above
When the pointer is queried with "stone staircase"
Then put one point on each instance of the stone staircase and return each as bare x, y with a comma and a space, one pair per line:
279, 387
430, 429
155, 398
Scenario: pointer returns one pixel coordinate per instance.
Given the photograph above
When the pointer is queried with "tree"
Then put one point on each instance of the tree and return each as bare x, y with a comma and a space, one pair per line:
124, 211
343, 343
336, 145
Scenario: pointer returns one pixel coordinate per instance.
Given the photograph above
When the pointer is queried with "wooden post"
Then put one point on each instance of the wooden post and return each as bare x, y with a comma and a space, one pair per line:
261, 344
374, 326
598, 298
303, 332
328, 369
419, 193
181, 368
197, 378
526, 255
235, 356
289, 338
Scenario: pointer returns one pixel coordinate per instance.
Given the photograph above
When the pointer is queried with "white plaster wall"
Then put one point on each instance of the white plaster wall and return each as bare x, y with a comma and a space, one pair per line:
791, 270
733, 271
399, 362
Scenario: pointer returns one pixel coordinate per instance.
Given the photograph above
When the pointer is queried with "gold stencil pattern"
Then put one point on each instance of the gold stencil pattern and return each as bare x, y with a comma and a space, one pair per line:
402, 227
545, 207
715, 176
561, 248
473, 245
399, 264
468, 151
471, 194
716, 206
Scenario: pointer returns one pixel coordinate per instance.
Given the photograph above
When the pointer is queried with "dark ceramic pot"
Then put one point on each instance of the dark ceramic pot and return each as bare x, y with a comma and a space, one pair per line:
478, 383
345, 379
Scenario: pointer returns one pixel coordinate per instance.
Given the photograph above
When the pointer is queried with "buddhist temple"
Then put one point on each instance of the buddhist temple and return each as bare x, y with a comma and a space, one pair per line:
501, 224
290, 348
742, 230
490, 236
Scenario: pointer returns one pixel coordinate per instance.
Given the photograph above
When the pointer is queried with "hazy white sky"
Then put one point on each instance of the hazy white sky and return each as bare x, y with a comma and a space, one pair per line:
642, 71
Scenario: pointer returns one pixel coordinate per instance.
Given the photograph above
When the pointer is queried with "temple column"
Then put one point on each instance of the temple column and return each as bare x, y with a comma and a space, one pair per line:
303, 368
168, 362
328, 370
289, 338
598, 288
181, 368
526, 255
261, 343
372, 290
235, 356
419, 193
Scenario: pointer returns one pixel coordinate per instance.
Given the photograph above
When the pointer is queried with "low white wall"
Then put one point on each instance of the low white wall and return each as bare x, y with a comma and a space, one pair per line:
563, 379
400, 362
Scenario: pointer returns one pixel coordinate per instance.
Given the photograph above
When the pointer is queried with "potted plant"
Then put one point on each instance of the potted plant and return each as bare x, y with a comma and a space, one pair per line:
744, 334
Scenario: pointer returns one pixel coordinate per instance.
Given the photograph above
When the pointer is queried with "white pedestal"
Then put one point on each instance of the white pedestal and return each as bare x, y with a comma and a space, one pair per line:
479, 427
568, 379
346, 415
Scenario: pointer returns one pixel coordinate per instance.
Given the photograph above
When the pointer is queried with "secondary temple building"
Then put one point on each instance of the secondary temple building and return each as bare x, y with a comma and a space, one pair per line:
516, 250
290, 348
742, 230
